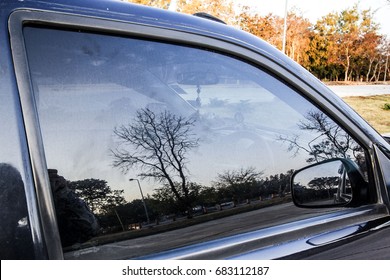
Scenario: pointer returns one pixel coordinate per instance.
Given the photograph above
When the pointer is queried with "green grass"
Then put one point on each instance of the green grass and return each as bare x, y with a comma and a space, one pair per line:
375, 109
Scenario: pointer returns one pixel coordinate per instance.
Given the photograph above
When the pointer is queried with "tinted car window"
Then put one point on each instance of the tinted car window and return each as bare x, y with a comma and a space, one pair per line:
143, 137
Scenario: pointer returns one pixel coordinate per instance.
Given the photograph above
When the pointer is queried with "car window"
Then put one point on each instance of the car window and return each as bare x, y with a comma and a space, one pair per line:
148, 141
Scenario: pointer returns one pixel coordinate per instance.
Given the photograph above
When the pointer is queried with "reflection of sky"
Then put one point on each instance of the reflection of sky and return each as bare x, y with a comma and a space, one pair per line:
93, 85
78, 138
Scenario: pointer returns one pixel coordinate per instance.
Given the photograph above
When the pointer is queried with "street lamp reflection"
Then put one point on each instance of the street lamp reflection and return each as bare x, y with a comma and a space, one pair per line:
143, 199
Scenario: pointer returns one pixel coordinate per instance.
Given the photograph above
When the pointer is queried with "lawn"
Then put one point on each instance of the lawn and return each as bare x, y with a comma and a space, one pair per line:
375, 109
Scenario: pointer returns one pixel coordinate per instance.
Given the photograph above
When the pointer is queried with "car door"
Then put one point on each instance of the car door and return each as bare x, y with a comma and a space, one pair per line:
164, 143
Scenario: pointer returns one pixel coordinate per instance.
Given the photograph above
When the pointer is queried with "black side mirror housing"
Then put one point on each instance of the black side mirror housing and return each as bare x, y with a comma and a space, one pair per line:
331, 183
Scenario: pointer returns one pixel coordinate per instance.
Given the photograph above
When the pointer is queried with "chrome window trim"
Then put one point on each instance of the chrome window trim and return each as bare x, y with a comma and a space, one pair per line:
231, 47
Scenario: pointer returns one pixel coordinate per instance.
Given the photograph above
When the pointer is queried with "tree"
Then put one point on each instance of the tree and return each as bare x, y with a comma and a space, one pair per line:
324, 183
345, 40
239, 184
238, 177
168, 203
340, 46
329, 140
222, 9
368, 47
385, 53
163, 4
268, 28
298, 38
158, 145
323, 48
99, 197
134, 211
278, 184
347, 36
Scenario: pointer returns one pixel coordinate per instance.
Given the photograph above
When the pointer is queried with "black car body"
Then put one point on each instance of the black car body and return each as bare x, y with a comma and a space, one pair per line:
309, 178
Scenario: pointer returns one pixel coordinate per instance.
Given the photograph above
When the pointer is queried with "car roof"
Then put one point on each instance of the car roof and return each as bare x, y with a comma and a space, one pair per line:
140, 14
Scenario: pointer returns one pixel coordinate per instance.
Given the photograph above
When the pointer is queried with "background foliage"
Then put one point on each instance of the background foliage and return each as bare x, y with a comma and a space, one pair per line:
341, 46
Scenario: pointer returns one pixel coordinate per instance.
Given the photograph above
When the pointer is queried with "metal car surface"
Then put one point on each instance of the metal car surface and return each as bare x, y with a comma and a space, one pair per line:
241, 91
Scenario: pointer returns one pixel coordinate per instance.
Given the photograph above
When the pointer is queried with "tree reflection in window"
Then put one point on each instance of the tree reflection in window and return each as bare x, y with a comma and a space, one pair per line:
330, 141
157, 144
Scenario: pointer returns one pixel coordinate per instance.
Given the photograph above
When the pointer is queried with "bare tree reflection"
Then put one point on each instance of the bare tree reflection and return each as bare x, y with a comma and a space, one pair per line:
330, 140
158, 145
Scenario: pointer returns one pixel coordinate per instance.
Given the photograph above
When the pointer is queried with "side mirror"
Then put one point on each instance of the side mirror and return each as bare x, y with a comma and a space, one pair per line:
331, 183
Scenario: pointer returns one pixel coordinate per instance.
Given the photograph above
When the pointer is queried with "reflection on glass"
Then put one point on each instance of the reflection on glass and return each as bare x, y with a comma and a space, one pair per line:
330, 140
158, 145
323, 184
205, 133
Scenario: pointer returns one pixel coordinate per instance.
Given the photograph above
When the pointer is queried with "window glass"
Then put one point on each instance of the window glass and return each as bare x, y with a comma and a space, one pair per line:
144, 137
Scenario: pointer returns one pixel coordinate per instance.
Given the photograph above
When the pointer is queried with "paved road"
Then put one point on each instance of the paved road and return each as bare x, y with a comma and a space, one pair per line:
207, 231
360, 90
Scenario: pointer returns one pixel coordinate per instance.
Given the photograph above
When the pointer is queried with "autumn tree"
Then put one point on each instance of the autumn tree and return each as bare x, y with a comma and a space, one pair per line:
343, 39
268, 27
298, 37
340, 46
368, 48
158, 144
222, 9
163, 4
347, 36
344, 43
383, 65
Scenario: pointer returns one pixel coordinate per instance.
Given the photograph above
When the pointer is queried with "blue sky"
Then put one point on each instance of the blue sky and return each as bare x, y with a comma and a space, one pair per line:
315, 9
